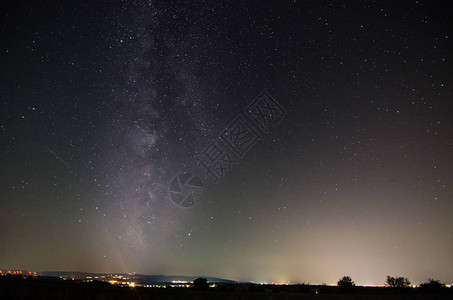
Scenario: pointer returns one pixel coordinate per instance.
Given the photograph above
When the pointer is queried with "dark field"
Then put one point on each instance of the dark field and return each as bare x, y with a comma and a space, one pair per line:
12, 288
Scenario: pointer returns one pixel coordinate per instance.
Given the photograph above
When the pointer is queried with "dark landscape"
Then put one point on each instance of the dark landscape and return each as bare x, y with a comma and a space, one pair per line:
71, 286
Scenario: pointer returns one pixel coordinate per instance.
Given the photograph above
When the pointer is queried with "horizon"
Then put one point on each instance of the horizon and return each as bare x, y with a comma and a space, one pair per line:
272, 282
257, 141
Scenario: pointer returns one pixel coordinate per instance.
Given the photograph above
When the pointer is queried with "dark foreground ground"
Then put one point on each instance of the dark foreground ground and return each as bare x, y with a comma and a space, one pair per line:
12, 288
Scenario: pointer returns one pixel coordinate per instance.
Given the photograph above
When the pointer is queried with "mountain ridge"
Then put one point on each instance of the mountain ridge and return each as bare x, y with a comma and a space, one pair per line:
139, 277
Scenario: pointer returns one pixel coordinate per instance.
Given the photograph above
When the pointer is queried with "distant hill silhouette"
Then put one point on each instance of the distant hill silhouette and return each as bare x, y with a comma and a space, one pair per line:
148, 279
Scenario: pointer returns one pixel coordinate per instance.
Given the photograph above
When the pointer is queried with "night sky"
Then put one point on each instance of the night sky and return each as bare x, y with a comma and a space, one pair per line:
104, 105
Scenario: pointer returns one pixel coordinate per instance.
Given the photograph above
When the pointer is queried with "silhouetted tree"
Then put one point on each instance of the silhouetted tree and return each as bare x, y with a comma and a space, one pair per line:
432, 285
345, 283
201, 284
398, 282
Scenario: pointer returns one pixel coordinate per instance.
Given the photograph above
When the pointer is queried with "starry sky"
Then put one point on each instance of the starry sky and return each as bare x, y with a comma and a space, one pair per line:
103, 105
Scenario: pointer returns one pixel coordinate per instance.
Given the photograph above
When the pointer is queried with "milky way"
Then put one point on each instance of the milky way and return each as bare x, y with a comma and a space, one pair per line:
104, 105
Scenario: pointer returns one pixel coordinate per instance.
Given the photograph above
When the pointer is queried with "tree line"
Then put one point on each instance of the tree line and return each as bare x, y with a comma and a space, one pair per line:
395, 282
